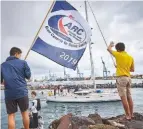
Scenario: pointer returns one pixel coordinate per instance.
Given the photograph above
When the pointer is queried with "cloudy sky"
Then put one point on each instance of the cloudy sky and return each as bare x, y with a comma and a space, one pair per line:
119, 21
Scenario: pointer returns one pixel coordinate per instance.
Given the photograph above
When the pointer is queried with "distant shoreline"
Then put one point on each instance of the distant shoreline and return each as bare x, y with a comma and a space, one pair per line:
41, 85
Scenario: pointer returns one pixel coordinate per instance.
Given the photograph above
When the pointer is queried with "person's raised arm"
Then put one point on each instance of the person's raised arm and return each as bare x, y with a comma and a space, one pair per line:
112, 52
109, 48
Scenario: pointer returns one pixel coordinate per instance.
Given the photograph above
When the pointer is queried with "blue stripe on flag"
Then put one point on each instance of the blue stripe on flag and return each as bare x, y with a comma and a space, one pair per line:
62, 5
54, 53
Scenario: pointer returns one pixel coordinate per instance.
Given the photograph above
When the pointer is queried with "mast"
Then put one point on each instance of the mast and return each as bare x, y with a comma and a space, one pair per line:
90, 52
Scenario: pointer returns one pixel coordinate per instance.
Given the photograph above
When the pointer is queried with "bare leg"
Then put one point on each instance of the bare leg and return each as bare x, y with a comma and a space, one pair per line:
126, 107
11, 121
130, 102
25, 116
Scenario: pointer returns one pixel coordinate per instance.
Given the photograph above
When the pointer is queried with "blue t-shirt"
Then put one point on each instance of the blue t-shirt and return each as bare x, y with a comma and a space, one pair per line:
14, 72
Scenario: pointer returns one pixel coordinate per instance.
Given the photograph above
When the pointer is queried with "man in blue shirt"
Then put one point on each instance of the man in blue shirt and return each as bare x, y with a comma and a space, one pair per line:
13, 74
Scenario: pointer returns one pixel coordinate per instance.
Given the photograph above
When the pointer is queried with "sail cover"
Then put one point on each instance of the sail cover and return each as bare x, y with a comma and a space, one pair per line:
63, 36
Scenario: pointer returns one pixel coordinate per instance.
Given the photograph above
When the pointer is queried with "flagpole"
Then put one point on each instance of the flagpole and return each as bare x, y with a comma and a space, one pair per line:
40, 29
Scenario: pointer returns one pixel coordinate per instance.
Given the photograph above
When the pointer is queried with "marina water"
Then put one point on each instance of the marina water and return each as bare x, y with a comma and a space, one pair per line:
52, 111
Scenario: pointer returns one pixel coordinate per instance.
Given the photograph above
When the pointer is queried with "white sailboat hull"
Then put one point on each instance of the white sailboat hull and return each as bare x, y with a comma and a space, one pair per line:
84, 99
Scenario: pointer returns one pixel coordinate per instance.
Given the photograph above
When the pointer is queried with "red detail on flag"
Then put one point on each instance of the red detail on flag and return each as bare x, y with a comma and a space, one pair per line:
61, 27
71, 17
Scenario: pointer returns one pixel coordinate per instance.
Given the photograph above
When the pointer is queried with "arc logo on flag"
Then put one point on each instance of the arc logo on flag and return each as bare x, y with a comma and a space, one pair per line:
64, 35
71, 31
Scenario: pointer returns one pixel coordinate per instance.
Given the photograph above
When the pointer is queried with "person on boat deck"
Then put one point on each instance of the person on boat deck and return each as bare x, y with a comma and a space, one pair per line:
124, 65
50, 93
68, 90
55, 91
61, 91
58, 88
14, 73
34, 112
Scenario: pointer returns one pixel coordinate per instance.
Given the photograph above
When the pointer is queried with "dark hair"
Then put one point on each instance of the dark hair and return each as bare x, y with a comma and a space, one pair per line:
14, 51
120, 47
34, 93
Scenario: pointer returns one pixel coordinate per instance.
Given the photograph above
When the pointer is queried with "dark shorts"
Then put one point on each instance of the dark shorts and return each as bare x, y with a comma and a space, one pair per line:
12, 105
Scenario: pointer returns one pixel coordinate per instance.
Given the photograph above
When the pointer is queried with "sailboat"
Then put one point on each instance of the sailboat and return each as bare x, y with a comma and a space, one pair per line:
89, 95
84, 97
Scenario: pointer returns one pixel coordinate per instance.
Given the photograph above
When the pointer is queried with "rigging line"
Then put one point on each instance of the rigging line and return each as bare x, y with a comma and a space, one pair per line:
100, 30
